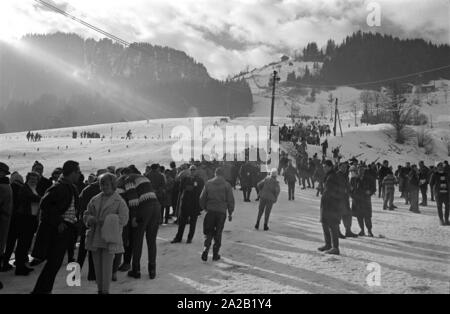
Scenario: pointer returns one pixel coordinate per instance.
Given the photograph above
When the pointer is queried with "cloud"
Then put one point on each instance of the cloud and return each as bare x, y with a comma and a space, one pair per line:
227, 36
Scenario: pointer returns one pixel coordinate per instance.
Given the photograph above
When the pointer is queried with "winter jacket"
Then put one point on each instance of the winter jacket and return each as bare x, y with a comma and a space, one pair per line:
330, 211
389, 182
57, 200
190, 188
246, 175
217, 196
158, 182
290, 174
269, 189
26, 199
99, 208
43, 185
6, 204
440, 183
423, 176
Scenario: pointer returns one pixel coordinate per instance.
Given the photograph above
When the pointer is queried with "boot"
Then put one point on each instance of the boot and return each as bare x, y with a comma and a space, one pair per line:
216, 257
114, 277
369, 233
333, 251
134, 274
324, 248
341, 236
124, 267
23, 271
362, 233
350, 234
175, 241
266, 227
152, 271
205, 255
257, 226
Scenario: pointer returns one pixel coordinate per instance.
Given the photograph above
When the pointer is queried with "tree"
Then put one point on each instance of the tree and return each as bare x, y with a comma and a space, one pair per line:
322, 110
291, 78
355, 108
400, 111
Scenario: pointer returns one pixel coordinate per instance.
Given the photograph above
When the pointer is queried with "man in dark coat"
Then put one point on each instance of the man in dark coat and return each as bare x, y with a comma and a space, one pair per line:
414, 187
191, 186
330, 212
424, 174
246, 176
6, 205
290, 177
157, 180
362, 190
269, 190
57, 228
440, 182
216, 199
345, 206
382, 172
13, 234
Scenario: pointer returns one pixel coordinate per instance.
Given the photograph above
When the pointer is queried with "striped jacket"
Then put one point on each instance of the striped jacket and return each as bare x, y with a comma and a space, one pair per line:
389, 182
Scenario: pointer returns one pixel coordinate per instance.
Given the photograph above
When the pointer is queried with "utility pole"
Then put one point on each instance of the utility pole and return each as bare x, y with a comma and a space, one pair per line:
274, 81
335, 116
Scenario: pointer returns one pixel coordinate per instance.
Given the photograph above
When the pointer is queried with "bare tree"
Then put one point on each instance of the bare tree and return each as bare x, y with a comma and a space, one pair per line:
401, 111
322, 110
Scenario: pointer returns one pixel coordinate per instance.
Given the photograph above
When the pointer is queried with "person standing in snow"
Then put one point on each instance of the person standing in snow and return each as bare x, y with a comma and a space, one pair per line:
362, 204
388, 185
290, 177
414, 184
6, 205
190, 187
269, 190
216, 199
330, 213
440, 182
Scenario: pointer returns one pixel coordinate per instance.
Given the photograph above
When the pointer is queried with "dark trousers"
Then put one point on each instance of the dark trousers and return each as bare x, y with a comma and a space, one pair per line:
380, 188
148, 225
128, 254
27, 226
388, 198
432, 193
247, 191
291, 190
306, 180
442, 199
423, 191
71, 248
184, 219
367, 221
212, 229
331, 234
165, 213
265, 207
13, 235
414, 199
347, 222
82, 255
59, 243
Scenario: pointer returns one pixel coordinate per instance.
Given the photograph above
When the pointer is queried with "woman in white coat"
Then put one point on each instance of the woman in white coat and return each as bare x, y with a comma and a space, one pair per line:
105, 217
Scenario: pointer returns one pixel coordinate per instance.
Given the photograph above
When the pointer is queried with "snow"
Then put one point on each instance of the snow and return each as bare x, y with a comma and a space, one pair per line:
412, 250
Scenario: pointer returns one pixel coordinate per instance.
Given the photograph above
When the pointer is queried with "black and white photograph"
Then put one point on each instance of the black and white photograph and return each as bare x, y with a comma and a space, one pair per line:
224, 153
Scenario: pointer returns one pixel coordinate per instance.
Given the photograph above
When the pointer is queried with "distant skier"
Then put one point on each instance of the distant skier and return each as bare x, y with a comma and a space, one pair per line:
129, 134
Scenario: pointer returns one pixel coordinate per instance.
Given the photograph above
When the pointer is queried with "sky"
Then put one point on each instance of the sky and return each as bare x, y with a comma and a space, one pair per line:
228, 36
